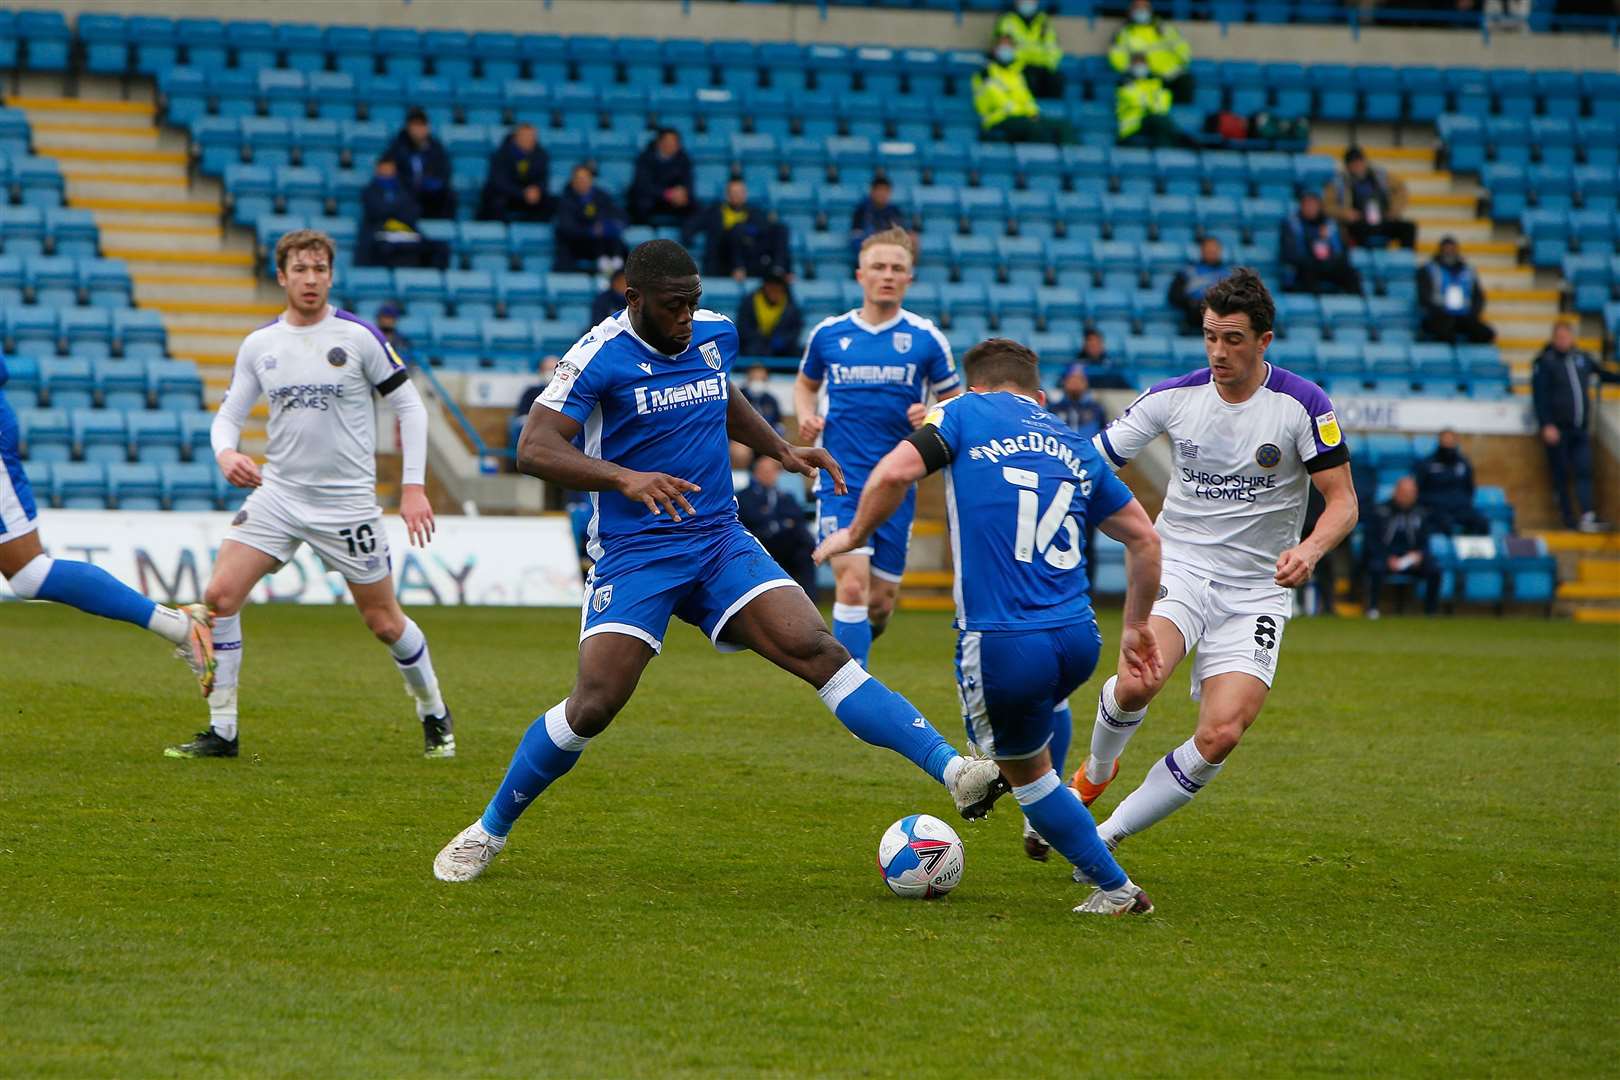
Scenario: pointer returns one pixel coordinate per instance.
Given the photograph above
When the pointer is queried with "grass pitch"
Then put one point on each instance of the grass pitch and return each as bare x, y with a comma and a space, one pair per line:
1409, 868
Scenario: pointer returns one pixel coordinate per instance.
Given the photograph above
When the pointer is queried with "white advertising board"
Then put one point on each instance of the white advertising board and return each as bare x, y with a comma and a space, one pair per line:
1419, 415
509, 561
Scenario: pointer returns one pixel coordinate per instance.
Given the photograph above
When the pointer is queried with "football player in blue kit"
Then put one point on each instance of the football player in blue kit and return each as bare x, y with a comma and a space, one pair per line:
649, 388
1020, 491
864, 384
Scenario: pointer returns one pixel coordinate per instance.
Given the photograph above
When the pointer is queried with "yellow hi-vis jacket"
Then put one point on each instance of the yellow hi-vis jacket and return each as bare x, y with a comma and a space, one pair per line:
1134, 100
1166, 50
1035, 40
999, 92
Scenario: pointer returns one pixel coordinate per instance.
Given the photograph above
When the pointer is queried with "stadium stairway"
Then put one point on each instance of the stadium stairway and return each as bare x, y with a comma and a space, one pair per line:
169, 229
1589, 574
1521, 301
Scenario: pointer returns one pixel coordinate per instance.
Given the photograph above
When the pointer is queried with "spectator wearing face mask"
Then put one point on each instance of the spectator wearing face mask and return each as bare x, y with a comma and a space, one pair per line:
1034, 36
1161, 45
1142, 108
1446, 488
1451, 298
758, 392
1006, 106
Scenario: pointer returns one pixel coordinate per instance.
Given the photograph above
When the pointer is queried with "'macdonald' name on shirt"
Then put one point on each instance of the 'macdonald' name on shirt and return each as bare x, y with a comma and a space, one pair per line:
710, 388
1035, 443
872, 373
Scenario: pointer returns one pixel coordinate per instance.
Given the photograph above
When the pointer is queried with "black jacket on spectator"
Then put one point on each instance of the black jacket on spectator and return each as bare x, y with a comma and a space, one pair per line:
606, 303
779, 522
1084, 415
868, 219
426, 171
755, 244
1561, 384
510, 172
380, 203
654, 176
783, 339
766, 405
575, 228
1446, 489
1394, 531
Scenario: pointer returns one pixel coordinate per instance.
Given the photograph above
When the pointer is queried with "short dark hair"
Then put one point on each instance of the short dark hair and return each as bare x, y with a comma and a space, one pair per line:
1003, 361
1242, 290
652, 263
880, 181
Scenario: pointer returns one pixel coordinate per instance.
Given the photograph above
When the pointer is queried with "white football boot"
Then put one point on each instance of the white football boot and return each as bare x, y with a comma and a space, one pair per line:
1125, 900
977, 787
468, 855
1035, 845
198, 648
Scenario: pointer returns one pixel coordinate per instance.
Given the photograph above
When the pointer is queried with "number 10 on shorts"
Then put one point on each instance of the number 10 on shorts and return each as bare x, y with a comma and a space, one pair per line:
361, 541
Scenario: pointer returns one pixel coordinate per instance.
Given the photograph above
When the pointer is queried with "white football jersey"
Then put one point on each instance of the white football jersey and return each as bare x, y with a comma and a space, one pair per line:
319, 380
1238, 487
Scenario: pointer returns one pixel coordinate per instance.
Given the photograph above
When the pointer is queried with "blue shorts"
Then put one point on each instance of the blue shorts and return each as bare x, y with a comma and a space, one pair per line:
704, 577
1010, 681
17, 509
888, 546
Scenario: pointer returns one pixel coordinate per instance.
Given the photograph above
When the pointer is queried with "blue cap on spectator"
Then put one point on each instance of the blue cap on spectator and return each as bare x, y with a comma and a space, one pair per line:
389, 308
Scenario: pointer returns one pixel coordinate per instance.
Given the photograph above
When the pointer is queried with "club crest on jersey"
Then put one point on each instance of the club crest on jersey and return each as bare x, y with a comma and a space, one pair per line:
902, 342
1268, 456
601, 599
336, 356
711, 354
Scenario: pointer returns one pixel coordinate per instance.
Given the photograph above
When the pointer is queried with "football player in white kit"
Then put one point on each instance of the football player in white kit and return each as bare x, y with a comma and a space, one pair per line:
1245, 439
319, 368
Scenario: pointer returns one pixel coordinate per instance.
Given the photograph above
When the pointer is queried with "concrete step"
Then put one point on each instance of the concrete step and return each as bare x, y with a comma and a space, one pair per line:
191, 342
121, 186
208, 360
928, 579
182, 241
909, 602
1589, 590
1466, 228
1586, 544
228, 285
89, 113
1520, 328
50, 134
102, 156
1496, 278
178, 207
1542, 303
1583, 613
1400, 160
1607, 570
143, 258
1437, 183
1443, 206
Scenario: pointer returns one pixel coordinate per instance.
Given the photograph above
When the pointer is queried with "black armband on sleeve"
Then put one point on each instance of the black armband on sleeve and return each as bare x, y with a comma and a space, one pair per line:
1339, 455
931, 445
392, 383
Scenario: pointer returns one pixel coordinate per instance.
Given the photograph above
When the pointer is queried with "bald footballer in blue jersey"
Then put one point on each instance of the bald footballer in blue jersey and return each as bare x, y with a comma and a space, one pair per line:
1021, 490
864, 384
649, 389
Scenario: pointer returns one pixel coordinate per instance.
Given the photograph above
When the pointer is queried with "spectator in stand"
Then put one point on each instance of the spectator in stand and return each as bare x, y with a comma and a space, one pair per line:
1161, 44
1006, 107
758, 392
1451, 298
769, 323
388, 322
389, 214
610, 299
1445, 482
779, 522
1561, 383
423, 166
589, 227
661, 192
1029, 26
1076, 406
545, 370
1397, 542
515, 187
1369, 204
1312, 252
1100, 371
875, 214
743, 240
1187, 290
1142, 109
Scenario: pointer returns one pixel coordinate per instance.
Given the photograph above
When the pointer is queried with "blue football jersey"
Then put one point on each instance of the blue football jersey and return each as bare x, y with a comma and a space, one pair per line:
4, 374
1021, 491
869, 375
651, 412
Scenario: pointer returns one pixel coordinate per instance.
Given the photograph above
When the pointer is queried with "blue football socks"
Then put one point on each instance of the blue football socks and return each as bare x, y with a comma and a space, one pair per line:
853, 631
875, 714
90, 588
1062, 736
1063, 821
549, 749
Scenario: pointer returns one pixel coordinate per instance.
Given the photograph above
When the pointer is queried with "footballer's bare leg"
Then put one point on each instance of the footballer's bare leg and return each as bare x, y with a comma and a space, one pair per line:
610, 666
852, 594
1121, 705
1228, 704
237, 568
784, 627
379, 607
882, 595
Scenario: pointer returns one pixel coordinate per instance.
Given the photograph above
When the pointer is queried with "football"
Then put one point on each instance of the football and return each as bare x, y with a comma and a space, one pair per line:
920, 857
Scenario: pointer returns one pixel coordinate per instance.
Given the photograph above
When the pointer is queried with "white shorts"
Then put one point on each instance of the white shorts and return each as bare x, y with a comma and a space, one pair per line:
1232, 628
348, 540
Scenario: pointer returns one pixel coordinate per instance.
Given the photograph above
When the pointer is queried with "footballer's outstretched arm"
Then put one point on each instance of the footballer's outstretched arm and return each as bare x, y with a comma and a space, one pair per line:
1137, 645
745, 425
885, 490
546, 449
1296, 565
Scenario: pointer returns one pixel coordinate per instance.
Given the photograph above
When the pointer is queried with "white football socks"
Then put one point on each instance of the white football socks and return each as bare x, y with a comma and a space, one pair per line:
228, 658
411, 654
170, 625
1112, 730
1169, 785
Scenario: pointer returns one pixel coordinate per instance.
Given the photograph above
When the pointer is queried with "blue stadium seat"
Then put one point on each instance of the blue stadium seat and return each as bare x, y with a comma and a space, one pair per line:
175, 385
135, 486
106, 43
67, 382
100, 435
79, 485
46, 434
188, 485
